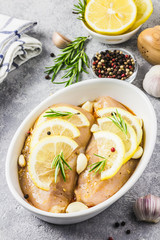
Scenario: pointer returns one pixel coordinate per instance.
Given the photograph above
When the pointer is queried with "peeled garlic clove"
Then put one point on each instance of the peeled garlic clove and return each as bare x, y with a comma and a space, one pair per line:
60, 41
76, 207
140, 121
95, 128
151, 82
138, 153
21, 161
88, 106
81, 163
147, 208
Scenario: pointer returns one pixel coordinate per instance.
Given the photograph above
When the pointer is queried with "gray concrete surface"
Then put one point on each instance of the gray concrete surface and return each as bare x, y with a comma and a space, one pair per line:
24, 89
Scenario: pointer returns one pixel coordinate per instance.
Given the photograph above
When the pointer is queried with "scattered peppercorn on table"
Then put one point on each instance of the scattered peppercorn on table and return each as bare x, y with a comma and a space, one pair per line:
26, 87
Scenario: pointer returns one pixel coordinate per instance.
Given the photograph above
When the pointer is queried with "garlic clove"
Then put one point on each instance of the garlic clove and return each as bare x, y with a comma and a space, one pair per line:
147, 208
88, 106
21, 161
76, 207
60, 41
95, 128
140, 120
151, 82
138, 153
81, 163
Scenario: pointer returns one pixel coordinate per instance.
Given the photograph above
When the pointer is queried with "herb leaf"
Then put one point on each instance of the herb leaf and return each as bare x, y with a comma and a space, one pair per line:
59, 163
52, 113
80, 9
98, 166
72, 59
119, 121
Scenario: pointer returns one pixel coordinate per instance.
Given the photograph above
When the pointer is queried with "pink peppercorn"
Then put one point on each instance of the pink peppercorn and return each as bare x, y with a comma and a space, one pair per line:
123, 75
113, 149
126, 56
94, 63
99, 75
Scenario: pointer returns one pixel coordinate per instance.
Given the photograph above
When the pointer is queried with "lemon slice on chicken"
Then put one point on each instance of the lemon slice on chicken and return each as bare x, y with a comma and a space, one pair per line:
130, 118
54, 127
106, 142
42, 155
77, 118
129, 139
110, 17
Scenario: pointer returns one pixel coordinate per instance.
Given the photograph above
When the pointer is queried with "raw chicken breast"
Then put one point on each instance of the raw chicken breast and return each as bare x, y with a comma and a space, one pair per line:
91, 190
60, 193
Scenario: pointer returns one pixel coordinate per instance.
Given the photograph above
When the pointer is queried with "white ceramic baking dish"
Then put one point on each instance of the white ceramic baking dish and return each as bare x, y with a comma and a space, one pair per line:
124, 92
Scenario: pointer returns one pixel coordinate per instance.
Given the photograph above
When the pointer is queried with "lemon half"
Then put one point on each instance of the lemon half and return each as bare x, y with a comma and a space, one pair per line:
111, 17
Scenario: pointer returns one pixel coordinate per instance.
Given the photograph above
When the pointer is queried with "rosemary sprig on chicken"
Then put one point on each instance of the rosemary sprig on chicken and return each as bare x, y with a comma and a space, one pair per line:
118, 120
59, 164
54, 114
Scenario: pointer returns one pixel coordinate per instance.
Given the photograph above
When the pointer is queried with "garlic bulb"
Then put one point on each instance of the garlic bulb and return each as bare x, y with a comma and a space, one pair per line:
151, 82
148, 208
60, 41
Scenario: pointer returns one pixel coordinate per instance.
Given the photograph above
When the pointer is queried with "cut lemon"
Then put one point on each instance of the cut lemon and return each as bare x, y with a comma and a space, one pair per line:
78, 118
42, 155
110, 17
105, 142
130, 118
54, 127
144, 11
129, 139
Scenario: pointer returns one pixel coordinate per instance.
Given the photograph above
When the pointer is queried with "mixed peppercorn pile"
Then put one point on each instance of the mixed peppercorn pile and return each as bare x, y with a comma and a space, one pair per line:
113, 64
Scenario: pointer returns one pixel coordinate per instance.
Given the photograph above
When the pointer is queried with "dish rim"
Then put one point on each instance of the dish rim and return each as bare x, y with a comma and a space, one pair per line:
101, 206
127, 34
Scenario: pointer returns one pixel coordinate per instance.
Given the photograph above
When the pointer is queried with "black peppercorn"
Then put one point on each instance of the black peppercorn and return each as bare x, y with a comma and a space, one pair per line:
47, 77
48, 133
128, 231
123, 223
26, 196
116, 224
52, 55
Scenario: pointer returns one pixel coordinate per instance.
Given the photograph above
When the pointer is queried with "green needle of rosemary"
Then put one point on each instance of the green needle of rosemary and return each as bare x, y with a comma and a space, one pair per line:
52, 113
119, 121
59, 165
80, 9
98, 166
73, 60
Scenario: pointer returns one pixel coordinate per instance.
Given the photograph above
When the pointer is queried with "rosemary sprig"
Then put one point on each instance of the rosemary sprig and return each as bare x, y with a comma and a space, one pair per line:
80, 9
53, 113
73, 59
99, 166
59, 163
118, 120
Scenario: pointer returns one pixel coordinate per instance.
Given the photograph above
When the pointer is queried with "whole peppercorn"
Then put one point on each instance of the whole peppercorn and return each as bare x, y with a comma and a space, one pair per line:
116, 224
128, 231
26, 196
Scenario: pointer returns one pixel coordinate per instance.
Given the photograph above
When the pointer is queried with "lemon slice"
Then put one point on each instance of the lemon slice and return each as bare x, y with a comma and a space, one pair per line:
105, 142
110, 17
42, 155
129, 140
130, 118
78, 119
144, 11
54, 127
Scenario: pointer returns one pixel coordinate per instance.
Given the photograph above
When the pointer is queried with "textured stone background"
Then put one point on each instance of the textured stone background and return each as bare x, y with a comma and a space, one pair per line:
24, 89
